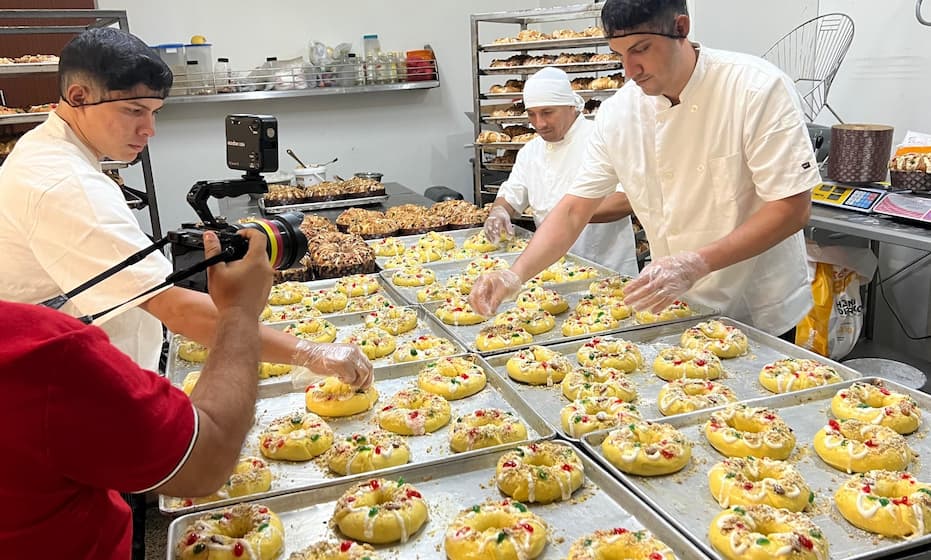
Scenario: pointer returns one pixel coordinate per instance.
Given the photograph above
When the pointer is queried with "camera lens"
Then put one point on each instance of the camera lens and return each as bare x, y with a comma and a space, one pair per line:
286, 245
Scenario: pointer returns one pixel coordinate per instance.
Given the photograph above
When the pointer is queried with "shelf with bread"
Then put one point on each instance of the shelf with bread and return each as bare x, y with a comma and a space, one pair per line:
582, 92
592, 39
29, 67
569, 68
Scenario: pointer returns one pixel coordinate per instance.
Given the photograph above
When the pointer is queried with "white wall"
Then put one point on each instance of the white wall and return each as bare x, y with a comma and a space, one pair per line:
415, 138
750, 26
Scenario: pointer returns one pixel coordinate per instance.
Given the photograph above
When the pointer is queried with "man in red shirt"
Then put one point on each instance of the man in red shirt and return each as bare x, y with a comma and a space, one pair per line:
83, 422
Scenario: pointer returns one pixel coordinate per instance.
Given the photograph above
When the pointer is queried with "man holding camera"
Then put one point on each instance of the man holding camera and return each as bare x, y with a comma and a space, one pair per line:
72, 403
62, 221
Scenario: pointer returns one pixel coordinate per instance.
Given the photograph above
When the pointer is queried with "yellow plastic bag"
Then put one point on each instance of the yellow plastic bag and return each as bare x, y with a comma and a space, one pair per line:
833, 324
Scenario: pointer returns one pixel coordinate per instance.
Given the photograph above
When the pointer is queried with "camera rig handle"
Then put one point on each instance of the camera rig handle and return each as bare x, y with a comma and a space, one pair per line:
201, 192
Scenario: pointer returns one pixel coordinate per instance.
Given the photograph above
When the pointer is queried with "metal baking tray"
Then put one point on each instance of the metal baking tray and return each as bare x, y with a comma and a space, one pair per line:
499, 145
449, 487
386, 290
544, 44
742, 371
458, 235
685, 500
28, 67
426, 324
23, 118
444, 269
428, 449
582, 92
568, 68
323, 205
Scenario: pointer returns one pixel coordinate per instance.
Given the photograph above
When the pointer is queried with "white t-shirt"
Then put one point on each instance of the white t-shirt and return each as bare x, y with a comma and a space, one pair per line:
695, 171
541, 176
62, 222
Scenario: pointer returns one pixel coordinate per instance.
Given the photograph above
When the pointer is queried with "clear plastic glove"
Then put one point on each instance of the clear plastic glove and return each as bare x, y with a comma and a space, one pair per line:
499, 221
491, 288
664, 281
344, 361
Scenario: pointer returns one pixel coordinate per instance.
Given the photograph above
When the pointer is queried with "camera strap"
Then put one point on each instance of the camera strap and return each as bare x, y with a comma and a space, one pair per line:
57, 302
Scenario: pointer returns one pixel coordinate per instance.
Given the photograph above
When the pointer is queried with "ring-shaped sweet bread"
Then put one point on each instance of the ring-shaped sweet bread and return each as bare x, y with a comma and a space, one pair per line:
333, 398
479, 243
452, 378
458, 312
499, 529
724, 341
793, 374
677, 363
315, 330
612, 286
380, 511
853, 446
576, 324
193, 352
647, 448
393, 320
496, 337
287, 293
538, 365
408, 276
534, 322
875, 404
485, 427
888, 503
229, 533
388, 247
739, 430
331, 550
676, 310
610, 352
620, 543
596, 413
538, 297
422, 348
762, 532
681, 396
746, 481
541, 472
585, 382
365, 452
414, 412
374, 343
300, 436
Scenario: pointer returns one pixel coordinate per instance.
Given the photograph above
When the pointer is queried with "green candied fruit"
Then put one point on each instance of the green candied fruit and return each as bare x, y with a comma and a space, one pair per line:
314, 437
815, 533
373, 512
811, 497
762, 542
199, 547
476, 509
501, 536
542, 475
297, 420
632, 427
739, 510
639, 535
883, 502
401, 481
730, 475
576, 419
262, 527
413, 351
862, 405
588, 542
925, 490
520, 507
216, 517
364, 448
454, 381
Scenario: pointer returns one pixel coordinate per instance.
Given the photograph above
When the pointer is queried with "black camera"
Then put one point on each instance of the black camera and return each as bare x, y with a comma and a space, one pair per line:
251, 146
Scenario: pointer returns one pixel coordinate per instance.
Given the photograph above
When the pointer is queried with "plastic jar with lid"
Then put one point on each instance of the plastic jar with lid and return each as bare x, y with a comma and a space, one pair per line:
370, 45
223, 76
196, 85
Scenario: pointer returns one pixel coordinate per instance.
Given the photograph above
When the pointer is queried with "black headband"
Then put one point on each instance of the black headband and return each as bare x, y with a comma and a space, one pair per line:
670, 35
102, 101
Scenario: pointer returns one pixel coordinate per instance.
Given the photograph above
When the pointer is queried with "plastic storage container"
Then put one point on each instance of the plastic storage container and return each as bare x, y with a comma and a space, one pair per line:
173, 55
370, 45
421, 65
307, 176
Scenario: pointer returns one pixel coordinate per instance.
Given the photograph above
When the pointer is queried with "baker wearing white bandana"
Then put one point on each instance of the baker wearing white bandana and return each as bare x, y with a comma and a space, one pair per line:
546, 167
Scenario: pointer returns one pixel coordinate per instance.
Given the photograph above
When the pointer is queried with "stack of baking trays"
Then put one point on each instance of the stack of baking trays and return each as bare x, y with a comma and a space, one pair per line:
438, 247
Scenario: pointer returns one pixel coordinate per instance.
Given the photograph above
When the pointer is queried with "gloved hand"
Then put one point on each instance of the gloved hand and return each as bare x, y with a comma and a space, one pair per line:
491, 288
664, 281
498, 221
344, 361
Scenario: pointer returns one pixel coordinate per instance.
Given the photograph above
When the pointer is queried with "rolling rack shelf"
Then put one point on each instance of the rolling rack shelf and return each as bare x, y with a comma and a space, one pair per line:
485, 29
75, 21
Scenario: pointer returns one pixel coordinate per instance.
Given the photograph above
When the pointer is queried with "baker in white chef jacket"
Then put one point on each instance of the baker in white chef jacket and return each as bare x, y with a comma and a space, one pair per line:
546, 167
711, 149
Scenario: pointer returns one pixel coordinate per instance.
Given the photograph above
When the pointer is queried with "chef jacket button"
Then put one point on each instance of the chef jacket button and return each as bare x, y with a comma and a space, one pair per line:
667, 175
701, 168
694, 108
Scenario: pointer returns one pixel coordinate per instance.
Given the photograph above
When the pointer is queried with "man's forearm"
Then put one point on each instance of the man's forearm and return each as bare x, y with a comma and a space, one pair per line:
772, 223
553, 238
193, 315
612, 208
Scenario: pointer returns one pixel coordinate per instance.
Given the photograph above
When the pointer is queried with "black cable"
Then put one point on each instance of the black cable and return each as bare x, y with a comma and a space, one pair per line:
882, 291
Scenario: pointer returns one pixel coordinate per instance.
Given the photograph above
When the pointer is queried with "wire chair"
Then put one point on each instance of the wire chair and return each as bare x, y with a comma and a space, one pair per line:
811, 54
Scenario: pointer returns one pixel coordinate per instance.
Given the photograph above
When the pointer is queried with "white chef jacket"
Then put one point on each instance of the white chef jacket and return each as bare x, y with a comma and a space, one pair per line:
695, 171
62, 222
541, 176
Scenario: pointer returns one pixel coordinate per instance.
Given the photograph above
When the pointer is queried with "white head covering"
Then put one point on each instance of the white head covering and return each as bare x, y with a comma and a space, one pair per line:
550, 87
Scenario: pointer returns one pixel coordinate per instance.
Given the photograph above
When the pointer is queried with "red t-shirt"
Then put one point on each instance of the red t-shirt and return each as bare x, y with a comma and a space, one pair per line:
81, 422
